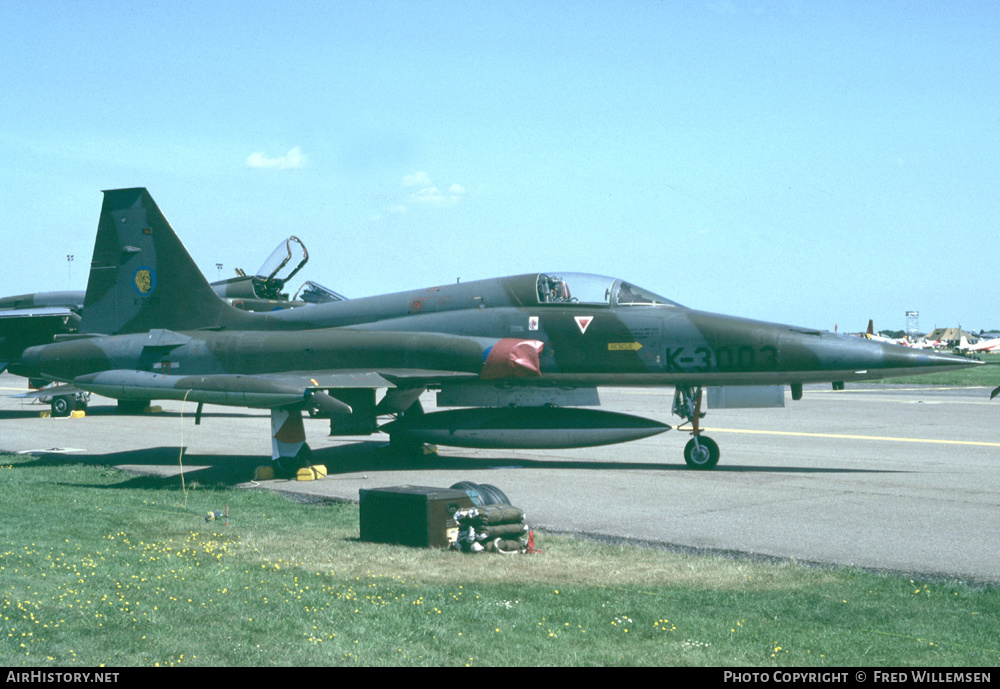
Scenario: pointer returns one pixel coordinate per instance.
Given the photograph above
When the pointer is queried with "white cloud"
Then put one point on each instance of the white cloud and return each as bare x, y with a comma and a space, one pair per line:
428, 193
292, 159
417, 179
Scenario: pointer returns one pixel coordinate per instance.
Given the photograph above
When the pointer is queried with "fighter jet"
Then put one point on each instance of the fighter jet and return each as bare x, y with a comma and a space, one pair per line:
31, 319
27, 320
521, 358
262, 291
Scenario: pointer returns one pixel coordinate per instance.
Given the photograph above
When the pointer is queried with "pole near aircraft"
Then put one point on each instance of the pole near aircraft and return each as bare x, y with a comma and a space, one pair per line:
518, 354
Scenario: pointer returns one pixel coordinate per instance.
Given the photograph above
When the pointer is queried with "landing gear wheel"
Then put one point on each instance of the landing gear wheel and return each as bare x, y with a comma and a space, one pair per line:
701, 453
62, 405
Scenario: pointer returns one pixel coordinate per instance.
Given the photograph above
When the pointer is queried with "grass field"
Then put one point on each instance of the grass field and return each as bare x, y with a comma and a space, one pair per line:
101, 568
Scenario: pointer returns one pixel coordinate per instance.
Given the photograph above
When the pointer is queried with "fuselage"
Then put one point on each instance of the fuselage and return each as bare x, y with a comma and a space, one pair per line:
595, 331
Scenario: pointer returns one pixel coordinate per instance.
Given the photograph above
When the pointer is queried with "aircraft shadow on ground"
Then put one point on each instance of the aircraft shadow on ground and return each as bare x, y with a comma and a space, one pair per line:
214, 470
26, 412
367, 457
373, 457
33, 411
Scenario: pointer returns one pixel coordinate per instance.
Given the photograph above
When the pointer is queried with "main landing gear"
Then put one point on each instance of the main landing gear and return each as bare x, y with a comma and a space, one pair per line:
65, 405
701, 452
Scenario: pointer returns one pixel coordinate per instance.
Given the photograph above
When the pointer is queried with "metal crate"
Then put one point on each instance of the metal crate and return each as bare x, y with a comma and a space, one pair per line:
417, 516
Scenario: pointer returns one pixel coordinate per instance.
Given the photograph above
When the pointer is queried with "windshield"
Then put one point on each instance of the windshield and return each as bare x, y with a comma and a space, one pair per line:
315, 293
630, 295
582, 288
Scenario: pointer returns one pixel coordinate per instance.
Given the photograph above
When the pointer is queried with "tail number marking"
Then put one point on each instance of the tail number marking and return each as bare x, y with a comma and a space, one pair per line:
705, 359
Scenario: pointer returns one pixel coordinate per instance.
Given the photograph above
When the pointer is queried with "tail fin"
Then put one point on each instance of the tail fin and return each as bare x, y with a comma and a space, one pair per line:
142, 277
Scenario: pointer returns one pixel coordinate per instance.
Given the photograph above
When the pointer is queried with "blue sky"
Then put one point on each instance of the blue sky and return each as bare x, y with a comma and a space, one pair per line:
816, 163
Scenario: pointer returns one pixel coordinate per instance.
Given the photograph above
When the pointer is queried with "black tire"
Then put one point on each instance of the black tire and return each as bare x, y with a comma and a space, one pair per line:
62, 405
701, 453
494, 496
482, 494
472, 490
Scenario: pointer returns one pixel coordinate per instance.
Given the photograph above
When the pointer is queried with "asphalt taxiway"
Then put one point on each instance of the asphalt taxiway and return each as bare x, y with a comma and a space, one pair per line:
896, 477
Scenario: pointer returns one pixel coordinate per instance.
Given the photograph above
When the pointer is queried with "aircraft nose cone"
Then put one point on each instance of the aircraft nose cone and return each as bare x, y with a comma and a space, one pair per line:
919, 361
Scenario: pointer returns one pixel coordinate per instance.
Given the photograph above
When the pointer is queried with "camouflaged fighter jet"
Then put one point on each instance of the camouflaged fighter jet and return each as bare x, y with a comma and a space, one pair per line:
520, 358
33, 319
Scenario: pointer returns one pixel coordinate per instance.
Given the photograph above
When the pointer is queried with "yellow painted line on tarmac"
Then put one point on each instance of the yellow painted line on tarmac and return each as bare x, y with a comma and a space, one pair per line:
853, 437
893, 388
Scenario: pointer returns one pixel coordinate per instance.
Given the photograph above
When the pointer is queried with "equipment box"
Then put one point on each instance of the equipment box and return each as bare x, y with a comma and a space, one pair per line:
416, 516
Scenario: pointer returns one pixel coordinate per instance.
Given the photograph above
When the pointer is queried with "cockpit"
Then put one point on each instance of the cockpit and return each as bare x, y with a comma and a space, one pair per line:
583, 288
263, 291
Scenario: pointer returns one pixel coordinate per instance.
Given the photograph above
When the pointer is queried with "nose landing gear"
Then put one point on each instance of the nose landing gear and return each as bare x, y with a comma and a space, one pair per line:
701, 452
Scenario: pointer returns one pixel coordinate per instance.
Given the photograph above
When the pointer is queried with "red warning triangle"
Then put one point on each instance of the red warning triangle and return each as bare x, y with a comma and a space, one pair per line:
583, 322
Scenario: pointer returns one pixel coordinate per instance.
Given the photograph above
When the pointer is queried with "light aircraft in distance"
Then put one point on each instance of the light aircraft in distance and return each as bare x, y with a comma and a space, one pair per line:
979, 346
516, 361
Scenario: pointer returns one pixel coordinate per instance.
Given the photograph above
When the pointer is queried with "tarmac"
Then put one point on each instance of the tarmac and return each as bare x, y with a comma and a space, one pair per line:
903, 478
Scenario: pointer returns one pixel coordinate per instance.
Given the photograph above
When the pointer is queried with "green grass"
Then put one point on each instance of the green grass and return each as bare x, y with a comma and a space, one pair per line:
99, 568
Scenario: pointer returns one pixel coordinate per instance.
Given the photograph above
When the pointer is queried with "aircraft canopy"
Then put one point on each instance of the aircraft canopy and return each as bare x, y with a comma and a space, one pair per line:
583, 288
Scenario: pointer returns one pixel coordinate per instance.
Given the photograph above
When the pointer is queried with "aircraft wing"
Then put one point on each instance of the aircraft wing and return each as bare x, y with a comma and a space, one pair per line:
328, 380
48, 392
383, 378
23, 328
260, 391
34, 318
27, 323
39, 311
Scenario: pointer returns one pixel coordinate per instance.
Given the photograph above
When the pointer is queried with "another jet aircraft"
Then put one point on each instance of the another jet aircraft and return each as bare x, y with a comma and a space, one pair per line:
520, 355
33, 319
262, 291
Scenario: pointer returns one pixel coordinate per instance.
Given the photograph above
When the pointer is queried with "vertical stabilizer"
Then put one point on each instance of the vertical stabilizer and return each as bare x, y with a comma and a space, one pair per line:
142, 277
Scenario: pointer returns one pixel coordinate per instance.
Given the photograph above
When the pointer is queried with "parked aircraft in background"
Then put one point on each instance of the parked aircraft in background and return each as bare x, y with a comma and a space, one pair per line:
921, 343
263, 290
33, 319
980, 346
876, 337
924, 343
30, 319
520, 355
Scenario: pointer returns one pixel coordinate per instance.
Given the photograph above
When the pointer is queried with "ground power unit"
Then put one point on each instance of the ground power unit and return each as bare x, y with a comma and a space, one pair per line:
417, 516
